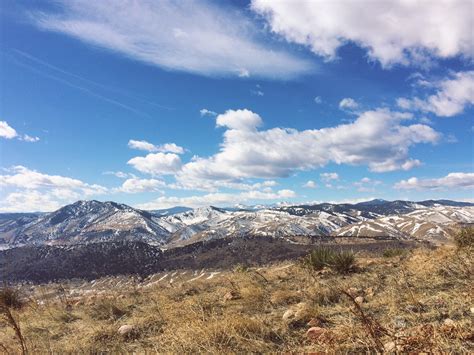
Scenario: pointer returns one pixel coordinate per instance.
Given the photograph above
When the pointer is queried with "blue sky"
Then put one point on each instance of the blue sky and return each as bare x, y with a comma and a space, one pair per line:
157, 104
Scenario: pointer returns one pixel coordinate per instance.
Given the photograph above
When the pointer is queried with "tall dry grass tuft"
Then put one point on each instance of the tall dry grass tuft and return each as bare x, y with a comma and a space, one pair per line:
9, 301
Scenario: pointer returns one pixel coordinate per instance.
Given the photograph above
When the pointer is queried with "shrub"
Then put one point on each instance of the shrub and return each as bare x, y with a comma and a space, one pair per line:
319, 258
392, 252
10, 298
340, 261
343, 262
465, 238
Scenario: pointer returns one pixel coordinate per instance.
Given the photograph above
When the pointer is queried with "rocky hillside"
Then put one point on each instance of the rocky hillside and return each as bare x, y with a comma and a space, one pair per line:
83, 222
94, 221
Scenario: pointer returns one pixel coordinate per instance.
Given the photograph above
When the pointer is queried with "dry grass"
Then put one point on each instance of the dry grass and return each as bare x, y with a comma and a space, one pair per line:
400, 303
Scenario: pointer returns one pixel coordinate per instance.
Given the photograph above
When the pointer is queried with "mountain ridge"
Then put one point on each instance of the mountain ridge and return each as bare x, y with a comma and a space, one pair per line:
94, 221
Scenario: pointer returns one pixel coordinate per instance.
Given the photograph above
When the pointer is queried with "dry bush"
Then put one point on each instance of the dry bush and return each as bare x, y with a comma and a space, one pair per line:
405, 302
464, 238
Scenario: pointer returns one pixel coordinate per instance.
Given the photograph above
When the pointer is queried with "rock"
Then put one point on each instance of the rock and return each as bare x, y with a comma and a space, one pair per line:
369, 292
359, 300
472, 310
399, 322
352, 291
390, 346
314, 322
315, 332
289, 314
125, 329
449, 322
231, 295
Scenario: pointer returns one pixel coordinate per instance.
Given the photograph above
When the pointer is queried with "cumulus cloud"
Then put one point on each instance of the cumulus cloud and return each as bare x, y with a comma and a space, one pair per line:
191, 36
452, 96
450, 181
136, 185
378, 138
392, 32
8, 132
348, 103
244, 120
31, 190
149, 147
318, 100
157, 163
310, 184
217, 199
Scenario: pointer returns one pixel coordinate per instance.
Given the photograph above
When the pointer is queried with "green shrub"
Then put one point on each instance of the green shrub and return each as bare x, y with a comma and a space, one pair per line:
343, 262
319, 258
392, 252
340, 261
465, 238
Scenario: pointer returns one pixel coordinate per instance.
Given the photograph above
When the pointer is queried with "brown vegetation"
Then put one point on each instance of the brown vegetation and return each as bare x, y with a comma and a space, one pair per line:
417, 301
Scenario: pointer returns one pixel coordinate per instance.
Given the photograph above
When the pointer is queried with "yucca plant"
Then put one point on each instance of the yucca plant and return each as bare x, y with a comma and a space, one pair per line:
319, 258
343, 262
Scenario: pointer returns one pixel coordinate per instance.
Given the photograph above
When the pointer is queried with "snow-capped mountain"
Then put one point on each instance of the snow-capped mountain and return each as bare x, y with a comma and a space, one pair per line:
94, 221
87, 221
427, 223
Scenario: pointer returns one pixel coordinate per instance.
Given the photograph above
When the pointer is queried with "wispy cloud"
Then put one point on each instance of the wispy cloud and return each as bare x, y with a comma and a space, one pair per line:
190, 36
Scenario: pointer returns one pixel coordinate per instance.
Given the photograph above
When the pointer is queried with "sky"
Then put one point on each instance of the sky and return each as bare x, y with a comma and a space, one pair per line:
192, 103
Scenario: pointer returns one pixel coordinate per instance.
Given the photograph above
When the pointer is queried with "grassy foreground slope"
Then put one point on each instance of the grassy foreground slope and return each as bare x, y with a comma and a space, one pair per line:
408, 301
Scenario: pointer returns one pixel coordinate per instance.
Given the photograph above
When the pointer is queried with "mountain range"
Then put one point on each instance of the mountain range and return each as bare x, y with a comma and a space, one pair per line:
85, 222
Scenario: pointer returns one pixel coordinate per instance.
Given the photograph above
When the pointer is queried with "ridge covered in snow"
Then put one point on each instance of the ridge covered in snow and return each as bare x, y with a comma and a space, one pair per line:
94, 221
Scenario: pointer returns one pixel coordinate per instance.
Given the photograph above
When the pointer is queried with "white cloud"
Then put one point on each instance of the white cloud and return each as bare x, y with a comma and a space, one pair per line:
206, 112
149, 147
29, 201
157, 163
190, 36
119, 174
378, 138
318, 100
452, 96
328, 177
35, 191
310, 184
23, 177
216, 199
28, 138
450, 181
136, 185
6, 131
348, 104
244, 120
367, 185
396, 31
257, 92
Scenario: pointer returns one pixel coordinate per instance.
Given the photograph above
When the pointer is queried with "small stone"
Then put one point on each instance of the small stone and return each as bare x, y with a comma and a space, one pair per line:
369, 292
389, 346
288, 314
231, 295
472, 310
449, 322
352, 291
125, 329
315, 332
359, 300
314, 322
